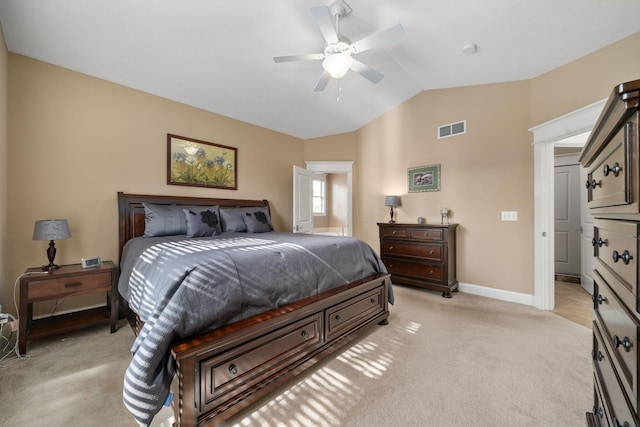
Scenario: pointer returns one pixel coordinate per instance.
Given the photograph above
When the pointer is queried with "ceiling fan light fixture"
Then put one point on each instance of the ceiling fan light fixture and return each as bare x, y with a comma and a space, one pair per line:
337, 64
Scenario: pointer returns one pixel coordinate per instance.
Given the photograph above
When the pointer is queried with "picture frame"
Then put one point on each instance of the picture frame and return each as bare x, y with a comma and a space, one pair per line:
199, 163
424, 178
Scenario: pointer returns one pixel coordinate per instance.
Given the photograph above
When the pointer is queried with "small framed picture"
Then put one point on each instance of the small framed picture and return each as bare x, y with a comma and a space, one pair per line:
424, 178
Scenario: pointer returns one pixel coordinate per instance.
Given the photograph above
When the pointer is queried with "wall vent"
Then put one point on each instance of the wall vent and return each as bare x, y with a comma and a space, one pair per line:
452, 129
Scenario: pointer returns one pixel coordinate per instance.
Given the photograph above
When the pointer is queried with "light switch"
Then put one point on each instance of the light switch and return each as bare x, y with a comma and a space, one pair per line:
509, 215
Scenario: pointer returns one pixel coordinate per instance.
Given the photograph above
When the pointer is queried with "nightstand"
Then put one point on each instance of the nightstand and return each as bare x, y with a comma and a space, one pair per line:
66, 281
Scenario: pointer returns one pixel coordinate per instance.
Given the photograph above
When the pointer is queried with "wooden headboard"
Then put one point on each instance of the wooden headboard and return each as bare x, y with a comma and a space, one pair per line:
131, 212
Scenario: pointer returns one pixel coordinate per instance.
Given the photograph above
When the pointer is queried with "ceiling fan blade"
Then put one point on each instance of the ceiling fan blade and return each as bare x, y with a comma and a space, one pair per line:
390, 35
322, 82
367, 72
323, 18
304, 57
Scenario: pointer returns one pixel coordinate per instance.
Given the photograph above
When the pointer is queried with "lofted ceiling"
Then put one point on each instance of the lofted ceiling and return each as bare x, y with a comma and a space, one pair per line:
217, 55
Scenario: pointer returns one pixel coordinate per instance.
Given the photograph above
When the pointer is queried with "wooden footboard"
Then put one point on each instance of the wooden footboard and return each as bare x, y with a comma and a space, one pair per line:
223, 371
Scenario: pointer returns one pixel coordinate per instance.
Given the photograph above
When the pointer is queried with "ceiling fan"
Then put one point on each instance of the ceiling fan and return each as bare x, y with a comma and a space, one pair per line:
338, 52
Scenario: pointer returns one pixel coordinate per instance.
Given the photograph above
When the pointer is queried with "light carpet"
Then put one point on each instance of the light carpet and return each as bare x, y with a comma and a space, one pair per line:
464, 361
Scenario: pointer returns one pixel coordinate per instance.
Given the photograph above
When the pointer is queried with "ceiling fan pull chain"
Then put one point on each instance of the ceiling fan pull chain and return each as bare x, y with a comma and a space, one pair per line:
339, 91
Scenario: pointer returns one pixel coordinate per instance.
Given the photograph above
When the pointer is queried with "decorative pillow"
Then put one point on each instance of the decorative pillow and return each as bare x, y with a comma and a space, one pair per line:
232, 220
163, 220
258, 220
202, 221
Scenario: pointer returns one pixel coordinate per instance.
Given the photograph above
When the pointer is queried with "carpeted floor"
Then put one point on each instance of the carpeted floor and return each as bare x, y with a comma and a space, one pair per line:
464, 361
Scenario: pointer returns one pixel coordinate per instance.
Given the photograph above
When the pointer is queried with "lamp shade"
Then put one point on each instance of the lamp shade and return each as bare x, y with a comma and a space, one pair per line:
392, 201
51, 229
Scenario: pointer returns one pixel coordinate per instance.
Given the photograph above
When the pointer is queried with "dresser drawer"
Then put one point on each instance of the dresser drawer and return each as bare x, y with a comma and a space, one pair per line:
608, 177
246, 365
395, 232
620, 331
617, 248
425, 234
419, 271
599, 410
58, 288
612, 392
429, 252
345, 316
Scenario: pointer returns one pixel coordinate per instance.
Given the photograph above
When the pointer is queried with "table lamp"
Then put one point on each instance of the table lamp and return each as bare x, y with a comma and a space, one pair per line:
444, 212
51, 229
392, 201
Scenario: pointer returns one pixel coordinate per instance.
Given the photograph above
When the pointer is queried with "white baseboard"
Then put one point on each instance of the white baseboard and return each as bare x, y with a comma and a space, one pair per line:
499, 294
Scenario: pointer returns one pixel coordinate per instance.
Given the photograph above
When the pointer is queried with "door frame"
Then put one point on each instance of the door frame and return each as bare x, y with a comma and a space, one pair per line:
546, 136
340, 167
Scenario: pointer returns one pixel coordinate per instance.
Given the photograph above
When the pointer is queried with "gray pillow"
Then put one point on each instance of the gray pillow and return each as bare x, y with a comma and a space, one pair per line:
163, 220
236, 220
202, 221
258, 221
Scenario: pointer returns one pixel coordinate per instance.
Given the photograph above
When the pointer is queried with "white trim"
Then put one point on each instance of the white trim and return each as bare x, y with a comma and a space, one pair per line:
494, 293
544, 137
345, 167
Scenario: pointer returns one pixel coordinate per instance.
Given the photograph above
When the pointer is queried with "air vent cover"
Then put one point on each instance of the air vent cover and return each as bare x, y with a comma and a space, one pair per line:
452, 129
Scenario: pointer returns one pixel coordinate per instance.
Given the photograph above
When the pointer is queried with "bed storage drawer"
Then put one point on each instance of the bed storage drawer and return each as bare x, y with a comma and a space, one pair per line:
342, 317
246, 365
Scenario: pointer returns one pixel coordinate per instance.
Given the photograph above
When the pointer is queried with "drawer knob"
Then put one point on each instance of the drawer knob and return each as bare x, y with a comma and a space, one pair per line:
593, 184
233, 369
394, 231
625, 257
430, 272
373, 300
304, 334
72, 284
337, 317
598, 242
390, 248
597, 411
431, 252
616, 423
626, 343
599, 298
615, 169
600, 356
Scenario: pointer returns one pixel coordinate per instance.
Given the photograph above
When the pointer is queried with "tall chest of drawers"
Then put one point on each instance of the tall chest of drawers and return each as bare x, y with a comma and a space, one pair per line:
612, 158
421, 255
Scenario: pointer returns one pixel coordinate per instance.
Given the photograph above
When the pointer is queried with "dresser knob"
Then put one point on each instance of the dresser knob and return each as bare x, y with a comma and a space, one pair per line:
626, 343
599, 298
616, 423
337, 317
233, 369
599, 242
304, 334
625, 257
615, 169
431, 252
394, 231
600, 356
597, 411
390, 248
373, 300
430, 272
593, 184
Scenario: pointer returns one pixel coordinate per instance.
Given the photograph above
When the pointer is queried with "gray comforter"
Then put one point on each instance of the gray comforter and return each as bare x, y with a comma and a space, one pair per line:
180, 286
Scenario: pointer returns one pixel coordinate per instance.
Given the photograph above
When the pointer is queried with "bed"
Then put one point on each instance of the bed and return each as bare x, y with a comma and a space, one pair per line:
217, 368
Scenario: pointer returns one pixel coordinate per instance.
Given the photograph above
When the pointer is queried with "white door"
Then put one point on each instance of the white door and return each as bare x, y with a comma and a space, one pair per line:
567, 220
586, 225
302, 199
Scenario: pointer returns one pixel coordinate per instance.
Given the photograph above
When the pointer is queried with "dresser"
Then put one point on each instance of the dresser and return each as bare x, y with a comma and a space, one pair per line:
611, 156
421, 255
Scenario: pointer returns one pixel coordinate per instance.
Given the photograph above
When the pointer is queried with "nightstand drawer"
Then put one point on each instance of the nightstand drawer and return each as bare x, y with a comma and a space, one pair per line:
60, 287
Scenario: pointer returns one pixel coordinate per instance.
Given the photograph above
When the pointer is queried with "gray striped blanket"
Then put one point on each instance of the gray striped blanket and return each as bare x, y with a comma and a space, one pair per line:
180, 286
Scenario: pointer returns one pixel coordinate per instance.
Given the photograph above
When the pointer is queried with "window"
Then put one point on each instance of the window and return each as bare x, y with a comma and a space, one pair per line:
319, 195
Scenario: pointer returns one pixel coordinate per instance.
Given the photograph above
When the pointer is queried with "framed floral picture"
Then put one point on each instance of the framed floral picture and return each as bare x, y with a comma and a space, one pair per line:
424, 178
201, 164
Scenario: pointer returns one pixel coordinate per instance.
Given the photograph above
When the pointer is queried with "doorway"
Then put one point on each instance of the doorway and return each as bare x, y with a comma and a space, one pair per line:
545, 137
342, 183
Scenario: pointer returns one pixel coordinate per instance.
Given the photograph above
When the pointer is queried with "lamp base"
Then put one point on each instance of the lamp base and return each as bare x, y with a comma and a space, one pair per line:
50, 267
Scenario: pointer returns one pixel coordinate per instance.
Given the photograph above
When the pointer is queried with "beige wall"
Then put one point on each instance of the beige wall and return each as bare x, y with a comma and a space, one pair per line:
483, 172
6, 306
75, 141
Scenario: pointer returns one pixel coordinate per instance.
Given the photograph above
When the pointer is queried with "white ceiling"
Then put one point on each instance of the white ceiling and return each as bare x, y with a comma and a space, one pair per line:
217, 55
